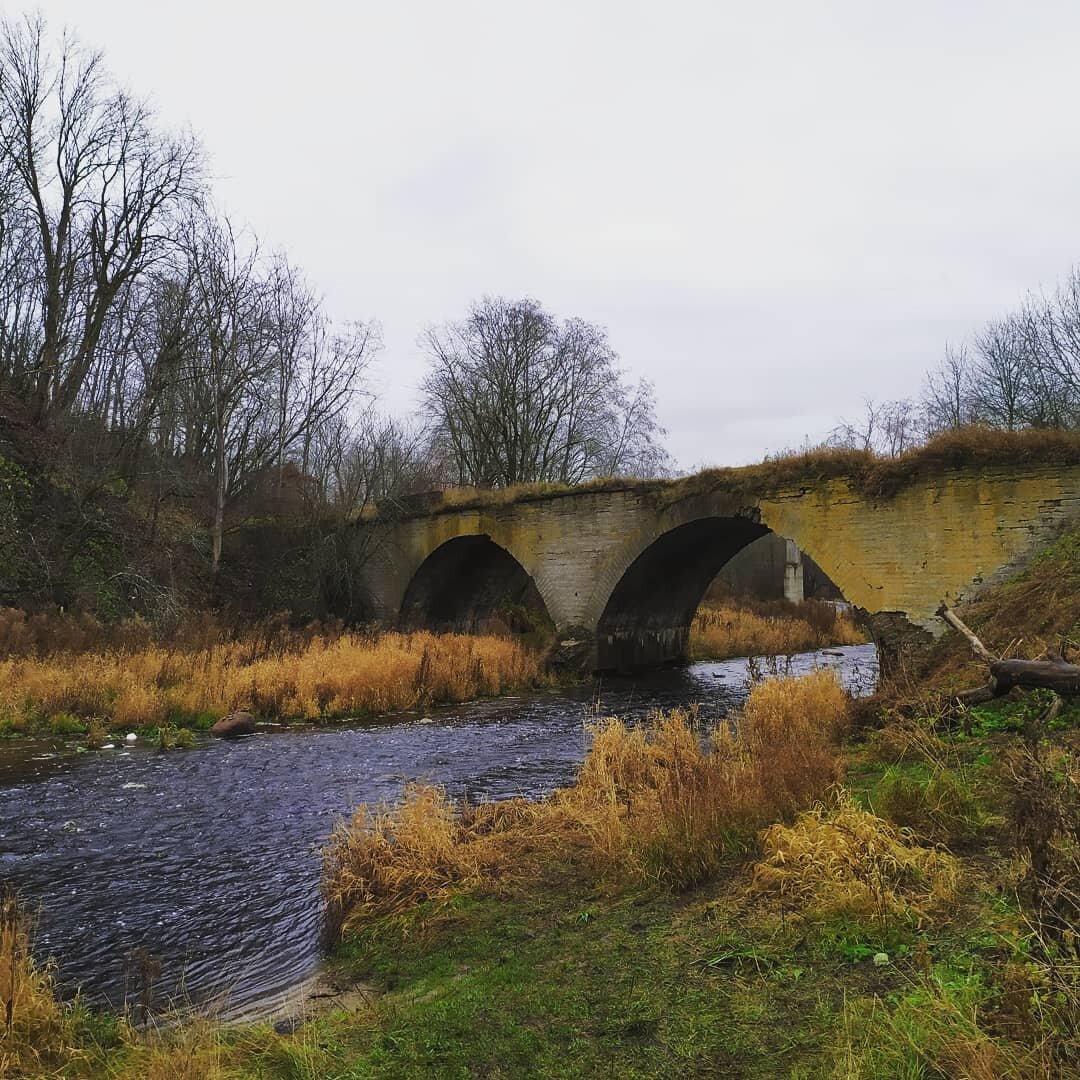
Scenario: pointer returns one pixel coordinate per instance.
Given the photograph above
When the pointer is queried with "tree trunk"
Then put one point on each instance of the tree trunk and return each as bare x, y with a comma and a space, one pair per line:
1054, 673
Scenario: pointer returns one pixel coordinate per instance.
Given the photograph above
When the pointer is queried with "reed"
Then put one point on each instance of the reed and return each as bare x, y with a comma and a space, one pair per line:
315, 679
725, 630
35, 1029
656, 803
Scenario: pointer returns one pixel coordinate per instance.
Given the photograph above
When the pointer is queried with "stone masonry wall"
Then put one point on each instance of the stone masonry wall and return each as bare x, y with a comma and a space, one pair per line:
942, 537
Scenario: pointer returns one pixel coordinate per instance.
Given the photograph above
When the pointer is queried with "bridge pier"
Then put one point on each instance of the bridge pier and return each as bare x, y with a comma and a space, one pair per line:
793, 573
901, 644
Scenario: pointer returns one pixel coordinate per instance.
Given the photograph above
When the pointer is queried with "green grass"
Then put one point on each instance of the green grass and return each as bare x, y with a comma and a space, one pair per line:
561, 982
1013, 714
562, 978
564, 982
66, 724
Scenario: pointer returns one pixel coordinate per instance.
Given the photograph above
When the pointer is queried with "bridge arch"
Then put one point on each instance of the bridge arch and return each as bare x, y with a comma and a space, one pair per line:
470, 583
646, 619
940, 532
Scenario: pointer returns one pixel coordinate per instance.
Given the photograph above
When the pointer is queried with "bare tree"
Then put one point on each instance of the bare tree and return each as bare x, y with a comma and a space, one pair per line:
266, 371
1022, 370
1052, 330
517, 396
861, 434
1001, 383
888, 428
361, 463
233, 362
899, 427
95, 186
947, 398
317, 367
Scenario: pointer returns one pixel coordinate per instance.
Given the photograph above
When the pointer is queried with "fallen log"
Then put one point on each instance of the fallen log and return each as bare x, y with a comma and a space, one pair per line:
1053, 674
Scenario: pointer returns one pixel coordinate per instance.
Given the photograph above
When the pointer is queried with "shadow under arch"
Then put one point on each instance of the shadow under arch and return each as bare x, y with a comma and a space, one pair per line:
646, 621
472, 585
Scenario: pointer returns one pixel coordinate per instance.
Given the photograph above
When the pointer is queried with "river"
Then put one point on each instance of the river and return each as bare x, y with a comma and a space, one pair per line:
209, 858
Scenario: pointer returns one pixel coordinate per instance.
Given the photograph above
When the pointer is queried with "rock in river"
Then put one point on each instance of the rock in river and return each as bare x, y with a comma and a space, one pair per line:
237, 723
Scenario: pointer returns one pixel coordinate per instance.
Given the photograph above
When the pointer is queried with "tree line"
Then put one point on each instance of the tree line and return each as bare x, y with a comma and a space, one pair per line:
153, 342
161, 344
1021, 370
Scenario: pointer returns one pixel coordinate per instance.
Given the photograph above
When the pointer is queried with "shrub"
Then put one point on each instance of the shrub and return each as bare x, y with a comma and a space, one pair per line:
846, 861
66, 724
173, 738
655, 802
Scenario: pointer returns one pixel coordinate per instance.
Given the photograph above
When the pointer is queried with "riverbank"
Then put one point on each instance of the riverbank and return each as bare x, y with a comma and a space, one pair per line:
314, 677
143, 839
722, 629
798, 900
77, 678
628, 819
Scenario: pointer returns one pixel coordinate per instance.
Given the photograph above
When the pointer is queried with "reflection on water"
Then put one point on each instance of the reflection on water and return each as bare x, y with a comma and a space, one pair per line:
209, 858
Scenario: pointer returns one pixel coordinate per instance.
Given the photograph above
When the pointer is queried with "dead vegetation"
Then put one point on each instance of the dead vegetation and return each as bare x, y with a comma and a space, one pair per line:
311, 676
1033, 616
845, 860
1053, 673
724, 630
657, 803
868, 473
35, 1029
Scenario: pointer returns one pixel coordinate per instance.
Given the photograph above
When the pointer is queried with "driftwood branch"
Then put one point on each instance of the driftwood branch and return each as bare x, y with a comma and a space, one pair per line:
1052, 674
957, 623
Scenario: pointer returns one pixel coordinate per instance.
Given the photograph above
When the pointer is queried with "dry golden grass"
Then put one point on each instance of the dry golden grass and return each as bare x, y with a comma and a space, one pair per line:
655, 802
192, 1049
34, 1027
324, 677
388, 860
904, 739
721, 631
42, 1037
845, 860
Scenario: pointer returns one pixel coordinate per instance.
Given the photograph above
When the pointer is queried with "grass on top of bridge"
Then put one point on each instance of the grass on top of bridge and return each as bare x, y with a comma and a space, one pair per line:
870, 473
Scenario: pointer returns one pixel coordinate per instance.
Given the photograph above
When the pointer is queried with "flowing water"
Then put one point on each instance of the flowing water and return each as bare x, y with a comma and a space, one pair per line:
209, 858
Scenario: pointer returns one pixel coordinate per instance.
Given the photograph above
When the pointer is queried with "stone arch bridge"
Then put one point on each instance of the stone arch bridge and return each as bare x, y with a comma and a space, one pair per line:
619, 569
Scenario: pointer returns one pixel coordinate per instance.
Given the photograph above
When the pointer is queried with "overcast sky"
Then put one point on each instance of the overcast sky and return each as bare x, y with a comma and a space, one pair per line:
775, 209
